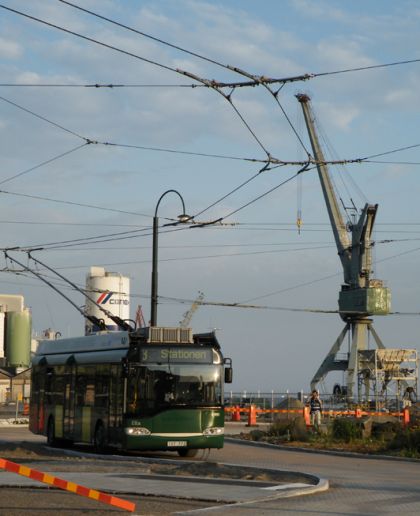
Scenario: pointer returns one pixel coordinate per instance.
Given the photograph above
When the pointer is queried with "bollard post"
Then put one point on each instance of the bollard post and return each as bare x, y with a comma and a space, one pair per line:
252, 416
306, 416
406, 416
236, 413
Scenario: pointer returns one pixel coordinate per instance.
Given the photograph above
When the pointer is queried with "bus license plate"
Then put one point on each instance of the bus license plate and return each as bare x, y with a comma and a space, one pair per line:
176, 443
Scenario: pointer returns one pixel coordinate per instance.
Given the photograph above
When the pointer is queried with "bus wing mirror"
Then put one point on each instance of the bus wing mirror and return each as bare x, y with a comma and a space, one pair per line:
228, 375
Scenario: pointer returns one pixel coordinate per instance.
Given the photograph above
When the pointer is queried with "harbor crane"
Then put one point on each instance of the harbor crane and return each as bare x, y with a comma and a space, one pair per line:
360, 296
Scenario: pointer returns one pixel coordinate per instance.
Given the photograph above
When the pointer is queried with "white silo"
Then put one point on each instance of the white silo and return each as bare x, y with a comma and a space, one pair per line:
111, 291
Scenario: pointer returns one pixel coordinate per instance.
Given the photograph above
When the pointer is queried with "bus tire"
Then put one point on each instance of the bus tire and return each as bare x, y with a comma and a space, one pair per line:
99, 440
51, 439
187, 453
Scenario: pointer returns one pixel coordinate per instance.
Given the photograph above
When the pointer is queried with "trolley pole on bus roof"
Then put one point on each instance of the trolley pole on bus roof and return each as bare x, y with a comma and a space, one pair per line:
183, 218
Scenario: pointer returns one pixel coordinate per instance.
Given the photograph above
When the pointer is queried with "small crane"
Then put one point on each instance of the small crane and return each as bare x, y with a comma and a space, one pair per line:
189, 313
361, 296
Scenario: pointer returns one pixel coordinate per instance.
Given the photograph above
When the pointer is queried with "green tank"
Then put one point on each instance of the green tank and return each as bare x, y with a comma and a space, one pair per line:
18, 338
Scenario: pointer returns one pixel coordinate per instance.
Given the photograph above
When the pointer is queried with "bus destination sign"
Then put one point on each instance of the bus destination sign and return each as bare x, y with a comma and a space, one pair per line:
159, 354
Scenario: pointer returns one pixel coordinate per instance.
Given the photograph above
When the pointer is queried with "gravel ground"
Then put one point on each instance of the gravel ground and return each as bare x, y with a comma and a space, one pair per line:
24, 502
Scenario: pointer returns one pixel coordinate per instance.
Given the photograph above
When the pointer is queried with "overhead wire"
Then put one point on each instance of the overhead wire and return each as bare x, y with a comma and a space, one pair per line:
55, 124
203, 257
200, 56
149, 36
210, 84
72, 203
97, 85
48, 161
271, 190
264, 169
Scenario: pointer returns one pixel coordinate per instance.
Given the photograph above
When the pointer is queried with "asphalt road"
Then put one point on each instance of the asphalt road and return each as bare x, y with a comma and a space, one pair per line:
358, 486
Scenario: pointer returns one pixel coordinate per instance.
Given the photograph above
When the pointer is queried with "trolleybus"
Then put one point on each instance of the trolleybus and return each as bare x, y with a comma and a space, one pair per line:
150, 389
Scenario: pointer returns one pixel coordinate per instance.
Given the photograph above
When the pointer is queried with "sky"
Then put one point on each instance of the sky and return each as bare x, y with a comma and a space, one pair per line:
82, 168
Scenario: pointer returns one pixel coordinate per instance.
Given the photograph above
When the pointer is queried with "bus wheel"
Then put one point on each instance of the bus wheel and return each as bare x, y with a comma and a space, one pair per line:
99, 438
51, 440
187, 453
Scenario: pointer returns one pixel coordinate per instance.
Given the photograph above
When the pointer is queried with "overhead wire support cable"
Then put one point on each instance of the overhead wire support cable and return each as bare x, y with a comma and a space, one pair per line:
213, 85
261, 80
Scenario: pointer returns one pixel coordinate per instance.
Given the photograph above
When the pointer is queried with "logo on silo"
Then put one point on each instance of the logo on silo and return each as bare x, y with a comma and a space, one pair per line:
106, 296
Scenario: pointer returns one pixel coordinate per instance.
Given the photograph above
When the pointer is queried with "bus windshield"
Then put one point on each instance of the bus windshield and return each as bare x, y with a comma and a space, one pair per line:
157, 387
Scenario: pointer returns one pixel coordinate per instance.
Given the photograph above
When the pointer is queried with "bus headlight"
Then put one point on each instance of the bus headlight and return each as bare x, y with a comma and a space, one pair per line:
137, 430
214, 430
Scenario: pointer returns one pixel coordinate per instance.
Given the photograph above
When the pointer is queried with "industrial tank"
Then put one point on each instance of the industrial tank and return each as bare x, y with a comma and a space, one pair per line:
111, 291
18, 338
2, 355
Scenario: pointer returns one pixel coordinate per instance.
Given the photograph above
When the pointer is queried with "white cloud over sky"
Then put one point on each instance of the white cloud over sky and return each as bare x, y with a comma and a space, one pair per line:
361, 113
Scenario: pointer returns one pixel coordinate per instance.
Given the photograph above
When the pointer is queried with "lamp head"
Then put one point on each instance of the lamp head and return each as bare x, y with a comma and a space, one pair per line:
184, 218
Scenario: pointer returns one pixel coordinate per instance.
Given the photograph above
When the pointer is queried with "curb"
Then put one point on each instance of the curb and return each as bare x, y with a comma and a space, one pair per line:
323, 485
337, 453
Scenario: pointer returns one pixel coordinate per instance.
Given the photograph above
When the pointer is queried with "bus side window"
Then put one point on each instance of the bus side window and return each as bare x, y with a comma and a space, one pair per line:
90, 387
49, 383
102, 390
80, 390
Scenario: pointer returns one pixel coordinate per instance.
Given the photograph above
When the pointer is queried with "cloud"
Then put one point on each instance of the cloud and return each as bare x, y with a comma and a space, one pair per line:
10, 49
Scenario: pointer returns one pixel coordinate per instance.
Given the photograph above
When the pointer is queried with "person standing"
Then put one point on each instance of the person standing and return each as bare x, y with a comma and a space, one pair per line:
409, 397
315, 409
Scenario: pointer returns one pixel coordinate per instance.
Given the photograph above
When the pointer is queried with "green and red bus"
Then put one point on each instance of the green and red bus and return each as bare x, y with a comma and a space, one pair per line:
154, 388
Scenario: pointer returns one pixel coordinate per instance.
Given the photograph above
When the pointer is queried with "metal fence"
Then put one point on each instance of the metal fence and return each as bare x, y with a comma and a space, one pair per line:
273, 400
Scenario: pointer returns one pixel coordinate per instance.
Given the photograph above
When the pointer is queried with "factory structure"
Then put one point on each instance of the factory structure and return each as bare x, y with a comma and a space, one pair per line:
108, 290
15, 345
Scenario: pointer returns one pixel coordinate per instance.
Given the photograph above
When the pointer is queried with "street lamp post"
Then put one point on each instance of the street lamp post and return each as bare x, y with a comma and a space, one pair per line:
181, 219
